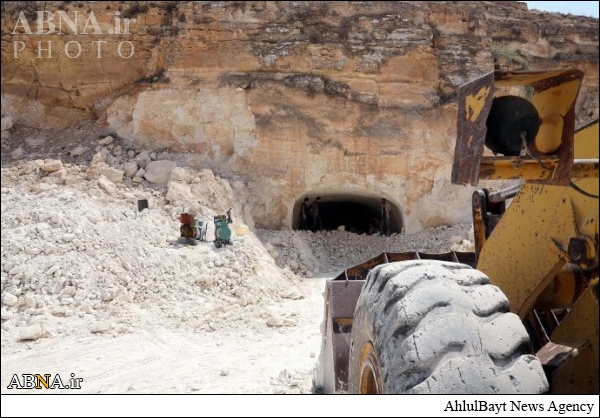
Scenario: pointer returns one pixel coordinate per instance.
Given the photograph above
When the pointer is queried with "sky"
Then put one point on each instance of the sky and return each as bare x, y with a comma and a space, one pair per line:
579, 8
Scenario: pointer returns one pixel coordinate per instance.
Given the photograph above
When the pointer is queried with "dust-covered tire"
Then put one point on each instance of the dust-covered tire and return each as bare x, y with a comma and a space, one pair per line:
428, 326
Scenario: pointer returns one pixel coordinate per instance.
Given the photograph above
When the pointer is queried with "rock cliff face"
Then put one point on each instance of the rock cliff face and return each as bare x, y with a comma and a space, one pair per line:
352, 101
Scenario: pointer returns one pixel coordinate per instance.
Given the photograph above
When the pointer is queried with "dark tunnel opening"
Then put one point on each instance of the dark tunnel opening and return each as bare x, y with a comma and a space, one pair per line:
356, 213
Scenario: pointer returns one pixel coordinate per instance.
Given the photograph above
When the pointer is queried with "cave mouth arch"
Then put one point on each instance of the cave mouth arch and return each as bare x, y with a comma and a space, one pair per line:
354, 211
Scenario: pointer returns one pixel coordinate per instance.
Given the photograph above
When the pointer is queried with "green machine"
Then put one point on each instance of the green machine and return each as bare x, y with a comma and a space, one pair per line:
222, 231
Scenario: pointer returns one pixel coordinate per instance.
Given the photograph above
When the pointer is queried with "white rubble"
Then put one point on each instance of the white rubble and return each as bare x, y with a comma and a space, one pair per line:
80, 261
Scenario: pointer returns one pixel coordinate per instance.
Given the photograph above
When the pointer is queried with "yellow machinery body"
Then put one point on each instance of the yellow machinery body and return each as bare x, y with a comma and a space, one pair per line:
537, 239
539, 244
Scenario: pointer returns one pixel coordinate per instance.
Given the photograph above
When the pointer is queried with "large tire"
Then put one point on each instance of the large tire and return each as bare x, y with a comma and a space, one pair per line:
434, 327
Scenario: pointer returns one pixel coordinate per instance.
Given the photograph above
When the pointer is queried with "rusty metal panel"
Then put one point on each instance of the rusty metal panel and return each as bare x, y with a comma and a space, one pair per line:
344, 295
341, 360
450, 256
453, 256
553, 355
341, 276
393, 257
474, 103
467, 258
360, 271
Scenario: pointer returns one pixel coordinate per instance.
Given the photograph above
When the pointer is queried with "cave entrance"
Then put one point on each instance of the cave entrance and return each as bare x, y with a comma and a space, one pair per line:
354, 212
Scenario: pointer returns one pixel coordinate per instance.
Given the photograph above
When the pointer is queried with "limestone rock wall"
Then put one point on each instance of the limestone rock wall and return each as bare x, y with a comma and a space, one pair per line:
295, 98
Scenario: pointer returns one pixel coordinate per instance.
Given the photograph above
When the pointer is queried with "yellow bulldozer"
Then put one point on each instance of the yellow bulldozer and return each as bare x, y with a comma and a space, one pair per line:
519, 315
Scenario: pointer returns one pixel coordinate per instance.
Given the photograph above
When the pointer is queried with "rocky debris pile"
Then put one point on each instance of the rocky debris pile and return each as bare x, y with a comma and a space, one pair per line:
77, 256
308, 254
